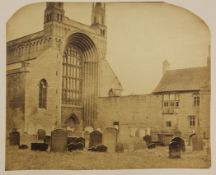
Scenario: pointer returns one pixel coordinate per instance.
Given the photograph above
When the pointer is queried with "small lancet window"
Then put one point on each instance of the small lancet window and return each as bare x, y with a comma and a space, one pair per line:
43, 94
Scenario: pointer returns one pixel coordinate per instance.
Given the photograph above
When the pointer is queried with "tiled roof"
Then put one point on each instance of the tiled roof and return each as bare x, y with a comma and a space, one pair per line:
188, 79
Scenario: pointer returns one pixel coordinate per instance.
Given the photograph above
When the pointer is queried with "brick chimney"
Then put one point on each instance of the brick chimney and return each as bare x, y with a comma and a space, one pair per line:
166, 66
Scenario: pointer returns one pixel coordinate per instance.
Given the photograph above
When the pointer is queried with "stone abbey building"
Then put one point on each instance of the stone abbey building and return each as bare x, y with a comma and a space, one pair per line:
59, 77
54, 76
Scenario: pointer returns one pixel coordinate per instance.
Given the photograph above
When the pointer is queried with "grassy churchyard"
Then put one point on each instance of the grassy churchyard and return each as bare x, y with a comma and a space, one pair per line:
84, 160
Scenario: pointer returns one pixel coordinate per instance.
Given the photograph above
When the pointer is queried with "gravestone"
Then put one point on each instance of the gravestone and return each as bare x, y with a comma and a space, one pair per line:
175, 150
39, 146
95, 138
142, 132
190, 138
47, 139
148, 131
69, 133
154, 136
75, 143
41, 134
181, 142
110, 139
98, 148
58, 140
86, 135
147, 139
197, 143
14, 137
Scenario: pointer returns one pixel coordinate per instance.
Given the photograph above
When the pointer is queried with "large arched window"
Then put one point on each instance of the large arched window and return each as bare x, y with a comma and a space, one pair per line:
72, 76
43, 93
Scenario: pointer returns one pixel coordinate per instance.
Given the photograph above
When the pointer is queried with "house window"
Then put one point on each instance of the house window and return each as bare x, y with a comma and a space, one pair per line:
170, 102
192, 120
43, 93
168, 123
196, 100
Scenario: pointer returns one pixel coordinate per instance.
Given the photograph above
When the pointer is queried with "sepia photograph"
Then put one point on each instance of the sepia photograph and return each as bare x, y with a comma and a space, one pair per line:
107, 86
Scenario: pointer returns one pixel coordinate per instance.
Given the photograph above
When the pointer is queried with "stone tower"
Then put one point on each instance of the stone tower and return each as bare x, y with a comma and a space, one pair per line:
99, 17
54, 12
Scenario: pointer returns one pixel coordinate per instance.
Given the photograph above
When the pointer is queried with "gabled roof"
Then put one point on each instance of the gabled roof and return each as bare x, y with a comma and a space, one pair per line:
189, 79
108, 79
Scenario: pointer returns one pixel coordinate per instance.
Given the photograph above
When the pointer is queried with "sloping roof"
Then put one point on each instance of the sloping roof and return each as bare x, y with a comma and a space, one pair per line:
188, 79
108, 79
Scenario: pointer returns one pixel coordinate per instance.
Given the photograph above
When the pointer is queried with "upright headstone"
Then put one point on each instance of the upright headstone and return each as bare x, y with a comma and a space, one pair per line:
95, 138
197, 143
175, 150
86, 136
110, 139
181, 142
148, 131
14, 137
47, 139
59, 140
190, 138
147, 139
41, 134
142, 132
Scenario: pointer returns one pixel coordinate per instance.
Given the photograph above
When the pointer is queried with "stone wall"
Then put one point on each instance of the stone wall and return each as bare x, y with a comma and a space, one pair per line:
135, 112
47, 66
145, 112
15, 100
205, 115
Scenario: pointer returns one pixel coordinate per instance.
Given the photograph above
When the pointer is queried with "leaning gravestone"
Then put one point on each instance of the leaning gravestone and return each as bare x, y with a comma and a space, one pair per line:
59, 140
175, 149
41, 134
14, 137
95, 138
110, 138
197, 143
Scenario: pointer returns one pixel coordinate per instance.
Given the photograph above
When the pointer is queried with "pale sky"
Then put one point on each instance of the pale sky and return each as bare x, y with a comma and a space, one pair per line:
140, 37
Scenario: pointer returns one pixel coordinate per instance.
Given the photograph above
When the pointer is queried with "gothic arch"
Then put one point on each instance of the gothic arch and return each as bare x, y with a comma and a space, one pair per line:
72, 120
80, 74
82, 41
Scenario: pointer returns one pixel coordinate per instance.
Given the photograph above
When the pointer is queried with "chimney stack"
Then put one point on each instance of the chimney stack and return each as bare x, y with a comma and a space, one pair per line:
166, 66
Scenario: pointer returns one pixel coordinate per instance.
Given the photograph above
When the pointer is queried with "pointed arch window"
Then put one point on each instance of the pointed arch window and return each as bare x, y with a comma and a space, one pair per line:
43, 94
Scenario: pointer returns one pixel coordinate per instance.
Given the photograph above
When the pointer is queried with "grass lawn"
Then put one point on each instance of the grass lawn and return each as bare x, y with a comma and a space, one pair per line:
83, 160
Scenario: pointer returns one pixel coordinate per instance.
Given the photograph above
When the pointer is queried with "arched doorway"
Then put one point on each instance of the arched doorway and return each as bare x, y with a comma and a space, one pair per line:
80, 76
72, 121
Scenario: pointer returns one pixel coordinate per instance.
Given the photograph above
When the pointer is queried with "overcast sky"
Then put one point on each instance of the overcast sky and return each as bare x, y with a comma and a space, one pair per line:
140, 37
